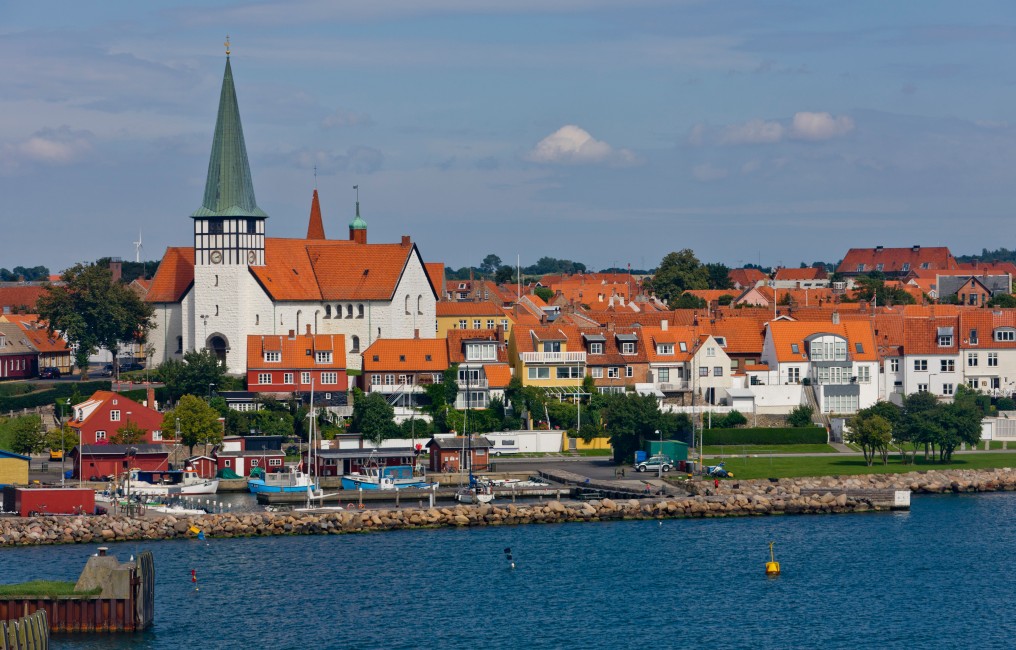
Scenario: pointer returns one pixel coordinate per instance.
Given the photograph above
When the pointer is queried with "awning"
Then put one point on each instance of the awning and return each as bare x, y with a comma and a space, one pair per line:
648, 389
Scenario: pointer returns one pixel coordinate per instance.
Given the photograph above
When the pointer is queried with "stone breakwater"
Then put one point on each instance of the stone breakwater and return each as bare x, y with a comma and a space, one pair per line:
732, 499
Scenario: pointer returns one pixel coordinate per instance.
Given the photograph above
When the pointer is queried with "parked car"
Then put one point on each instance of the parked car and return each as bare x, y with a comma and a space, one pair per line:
655, 463
49, 372
56, 454
107, 370
127, 366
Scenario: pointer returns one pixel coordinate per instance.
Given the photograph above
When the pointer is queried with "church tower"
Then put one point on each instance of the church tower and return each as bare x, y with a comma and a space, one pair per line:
358, 227
229, 238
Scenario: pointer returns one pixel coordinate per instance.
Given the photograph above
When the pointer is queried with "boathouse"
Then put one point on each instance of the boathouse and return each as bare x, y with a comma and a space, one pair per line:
458, 454
93, 462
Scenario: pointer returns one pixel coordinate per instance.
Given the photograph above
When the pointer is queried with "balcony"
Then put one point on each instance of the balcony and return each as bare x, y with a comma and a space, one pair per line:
554, 357
477, 384
673, 386
391, 389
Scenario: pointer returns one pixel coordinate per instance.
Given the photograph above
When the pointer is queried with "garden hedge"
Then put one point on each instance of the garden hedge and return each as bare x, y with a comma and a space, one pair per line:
767, 436
49, 393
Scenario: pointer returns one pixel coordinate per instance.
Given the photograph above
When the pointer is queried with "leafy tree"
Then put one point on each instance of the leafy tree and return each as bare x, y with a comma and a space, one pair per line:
199, 370
25, 434
916, 427
373, 416
679, 272
32, 274
129, 434
872, 433
732, 419
544, 293
801, 416
872, 287
630, 419
65, 438
490, 264
719, 276
94, 312
199, 422
726, 299
1004, 300
504, 274
689, 301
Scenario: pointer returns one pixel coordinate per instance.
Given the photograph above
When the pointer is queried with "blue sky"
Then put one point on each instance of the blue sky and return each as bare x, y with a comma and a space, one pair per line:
599, 131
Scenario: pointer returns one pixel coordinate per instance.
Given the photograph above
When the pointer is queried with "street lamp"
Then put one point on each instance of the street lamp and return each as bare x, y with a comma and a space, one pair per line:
659, 467
210, 387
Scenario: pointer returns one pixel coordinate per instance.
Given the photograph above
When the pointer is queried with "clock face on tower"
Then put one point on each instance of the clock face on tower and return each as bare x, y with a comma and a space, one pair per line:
252, 257
215, 257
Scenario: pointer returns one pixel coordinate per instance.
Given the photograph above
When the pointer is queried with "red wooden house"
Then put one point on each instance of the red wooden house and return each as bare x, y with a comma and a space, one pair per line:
450, 454
288, 364
18, 359
98, 419
205, 466
93, 462
241, 455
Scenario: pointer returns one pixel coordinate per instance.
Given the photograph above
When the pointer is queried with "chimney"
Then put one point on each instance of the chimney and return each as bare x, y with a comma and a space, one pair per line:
878, 249
416, 333
292, 334
151, 398
664, 324
308, 329
116, 268
916, 248
836, 318
406, 241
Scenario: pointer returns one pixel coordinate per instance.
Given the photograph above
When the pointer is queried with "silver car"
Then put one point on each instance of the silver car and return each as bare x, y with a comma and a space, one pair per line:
655, 463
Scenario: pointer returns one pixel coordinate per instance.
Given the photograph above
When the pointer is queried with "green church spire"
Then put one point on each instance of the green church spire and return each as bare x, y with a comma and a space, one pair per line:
229, 190
357, 223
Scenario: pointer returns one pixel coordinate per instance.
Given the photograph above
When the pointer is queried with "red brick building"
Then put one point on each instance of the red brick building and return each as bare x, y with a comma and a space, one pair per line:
18, 359
288, 364
98, 419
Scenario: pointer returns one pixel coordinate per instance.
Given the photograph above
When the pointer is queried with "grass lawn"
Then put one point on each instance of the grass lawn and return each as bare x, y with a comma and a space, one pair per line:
45, 588
712, 450
768, 467
595, 452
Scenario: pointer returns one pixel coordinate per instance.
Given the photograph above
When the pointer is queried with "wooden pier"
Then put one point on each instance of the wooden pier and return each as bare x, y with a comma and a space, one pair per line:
409, 496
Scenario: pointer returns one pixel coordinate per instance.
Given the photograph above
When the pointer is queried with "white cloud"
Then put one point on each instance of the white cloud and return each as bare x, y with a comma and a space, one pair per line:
573, 145
819, 126
753, 132
708, 172
58, 146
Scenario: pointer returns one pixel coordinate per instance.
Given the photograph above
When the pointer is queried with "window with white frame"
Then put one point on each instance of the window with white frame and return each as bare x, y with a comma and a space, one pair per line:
595, 348
287, 378
945, 340
664, 348
481, 351
947, 365
389, 380
972, 382
114, 416
629, 371
504, 323
329, 377
1006, 334
539, 373
264, 377
476, 323
793, 375
894, 365
463, 323
971, 359
663, 375
156, 436
227, 462
613, 373
100, 435
568, 372
275, 462
375, 380
864, 374
920, 365
993, 359
628, 348
597, 372
322, 357
273, 357
304, 377
922, 388
948, 389
710, 351
490, 323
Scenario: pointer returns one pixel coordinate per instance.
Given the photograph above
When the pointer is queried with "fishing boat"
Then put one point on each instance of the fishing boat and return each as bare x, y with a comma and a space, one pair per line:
384, 478
479, 492
294, 480
166, 482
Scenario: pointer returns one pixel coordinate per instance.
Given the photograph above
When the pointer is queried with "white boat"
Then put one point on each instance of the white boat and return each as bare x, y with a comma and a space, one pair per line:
292, 481
384, 478
478, 494
167, 483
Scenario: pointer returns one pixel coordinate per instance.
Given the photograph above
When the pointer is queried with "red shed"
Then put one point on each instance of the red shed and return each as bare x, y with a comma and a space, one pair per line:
205, 466
112, 460
447, 454
54, 501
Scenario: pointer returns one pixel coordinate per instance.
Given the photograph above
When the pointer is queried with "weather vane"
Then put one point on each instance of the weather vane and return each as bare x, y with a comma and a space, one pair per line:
357, 188
227, 44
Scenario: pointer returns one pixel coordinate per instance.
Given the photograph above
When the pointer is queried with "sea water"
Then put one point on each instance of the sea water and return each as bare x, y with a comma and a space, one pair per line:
939, 576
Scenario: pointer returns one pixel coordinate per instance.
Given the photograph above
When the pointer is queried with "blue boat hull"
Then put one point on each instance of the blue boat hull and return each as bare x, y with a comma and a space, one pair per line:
255, 487
349, 484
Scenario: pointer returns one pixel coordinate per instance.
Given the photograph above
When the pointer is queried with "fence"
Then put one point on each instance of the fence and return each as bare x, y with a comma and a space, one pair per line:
26, 633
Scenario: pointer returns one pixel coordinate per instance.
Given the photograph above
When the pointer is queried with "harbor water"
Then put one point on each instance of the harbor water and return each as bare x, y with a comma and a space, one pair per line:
938, 576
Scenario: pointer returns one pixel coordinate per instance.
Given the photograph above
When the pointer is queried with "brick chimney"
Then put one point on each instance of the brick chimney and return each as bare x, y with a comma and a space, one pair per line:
406, 241
116, 268
292, 334
151, 398
308, 329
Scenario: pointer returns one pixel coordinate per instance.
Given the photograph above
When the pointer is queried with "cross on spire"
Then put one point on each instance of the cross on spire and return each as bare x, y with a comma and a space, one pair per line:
227, 45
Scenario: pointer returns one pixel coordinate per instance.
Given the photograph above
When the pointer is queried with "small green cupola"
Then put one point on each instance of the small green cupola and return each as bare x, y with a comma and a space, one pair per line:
358, 227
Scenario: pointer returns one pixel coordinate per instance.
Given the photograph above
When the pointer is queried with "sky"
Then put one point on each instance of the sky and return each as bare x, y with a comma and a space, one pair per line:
606, 132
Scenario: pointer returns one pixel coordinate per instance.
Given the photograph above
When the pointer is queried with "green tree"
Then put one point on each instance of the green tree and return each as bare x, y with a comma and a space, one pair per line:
129, 434
490, 264
801, 416
199, 422
1005, 300
630, 419
94, 312
719, 276
544, 293
373, 416
873, 434
689, 301
726, 299
25, 434
916, 427
199, 371
679, 272
65, 438
504, 274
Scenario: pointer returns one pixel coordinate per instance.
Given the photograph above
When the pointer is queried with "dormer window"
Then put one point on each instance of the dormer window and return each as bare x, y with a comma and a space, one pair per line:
795, 348
859, 348
323, 357
402, 358
273, 357
860, 268
627, 348
683, 346
905, 267
925, 265
1005, 334
481, 351
595, 348
721, 341
665, 348
879, 267
973, 337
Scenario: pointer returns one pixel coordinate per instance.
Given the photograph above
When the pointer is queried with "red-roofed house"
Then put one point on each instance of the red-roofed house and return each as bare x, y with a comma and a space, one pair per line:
896, 262
236, 281
400, 368
291, 363
98, 418
20, 298
482, 357
746, 278
806, 278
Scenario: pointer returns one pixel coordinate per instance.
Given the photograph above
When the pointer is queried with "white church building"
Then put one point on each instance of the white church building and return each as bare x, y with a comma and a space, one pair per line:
236, 280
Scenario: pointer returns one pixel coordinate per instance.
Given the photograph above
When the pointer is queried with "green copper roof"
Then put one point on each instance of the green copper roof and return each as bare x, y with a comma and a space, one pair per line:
229, 191
357, 223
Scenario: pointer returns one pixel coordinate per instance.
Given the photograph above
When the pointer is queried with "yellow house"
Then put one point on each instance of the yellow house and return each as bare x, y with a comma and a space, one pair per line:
548, 356
13, 468
472, 316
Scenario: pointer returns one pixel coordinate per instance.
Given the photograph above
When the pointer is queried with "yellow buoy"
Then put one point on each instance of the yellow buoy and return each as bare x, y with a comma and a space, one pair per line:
772, 566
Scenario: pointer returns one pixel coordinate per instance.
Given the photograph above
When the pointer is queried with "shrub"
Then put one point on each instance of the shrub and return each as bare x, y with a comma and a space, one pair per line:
809, 435
801, 416
1005, 404
50, 395
734, 419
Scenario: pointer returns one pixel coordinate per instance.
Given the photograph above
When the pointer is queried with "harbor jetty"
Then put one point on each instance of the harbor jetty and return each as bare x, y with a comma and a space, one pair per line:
871, 493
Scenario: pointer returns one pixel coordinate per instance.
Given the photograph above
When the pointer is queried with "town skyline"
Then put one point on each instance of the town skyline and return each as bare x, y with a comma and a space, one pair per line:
519, 128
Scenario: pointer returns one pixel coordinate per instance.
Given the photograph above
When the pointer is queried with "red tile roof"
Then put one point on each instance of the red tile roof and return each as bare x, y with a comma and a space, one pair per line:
40, 338
20, 298
435, 273
800, 274
896, 260
316, 227
499, 375
174, 277
297, 352
457, 338
787, 333
746, 277
409, 355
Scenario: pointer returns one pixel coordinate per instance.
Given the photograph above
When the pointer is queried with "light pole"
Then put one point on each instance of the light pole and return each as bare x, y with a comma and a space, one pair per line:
210, 387
659, 467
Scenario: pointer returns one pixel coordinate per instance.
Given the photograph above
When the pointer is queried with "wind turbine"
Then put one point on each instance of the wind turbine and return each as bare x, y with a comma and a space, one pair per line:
137, 248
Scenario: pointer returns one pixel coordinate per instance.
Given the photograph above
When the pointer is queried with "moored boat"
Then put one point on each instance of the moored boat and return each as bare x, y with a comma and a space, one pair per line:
292, 481
384, 478
167, 483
